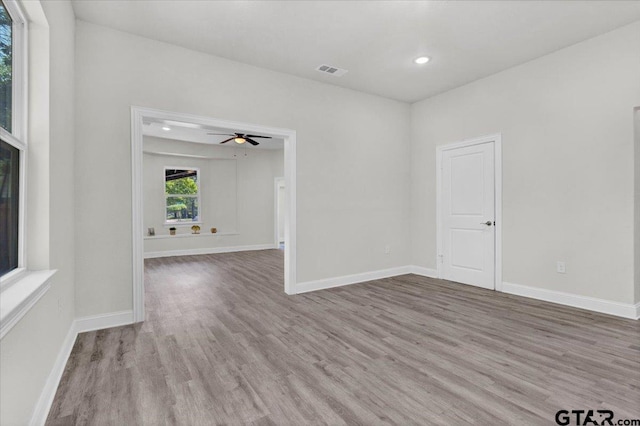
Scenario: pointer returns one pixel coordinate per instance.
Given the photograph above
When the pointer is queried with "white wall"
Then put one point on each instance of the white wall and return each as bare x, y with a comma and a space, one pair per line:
29, 350
353, 179
236, 194
567, 129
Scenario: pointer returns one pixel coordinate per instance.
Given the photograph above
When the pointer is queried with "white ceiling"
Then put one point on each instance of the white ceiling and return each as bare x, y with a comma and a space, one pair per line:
375, 40
196, 133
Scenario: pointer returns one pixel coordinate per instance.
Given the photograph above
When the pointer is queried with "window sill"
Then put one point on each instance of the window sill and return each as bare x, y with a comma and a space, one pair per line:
11, 277
18, 298
159, 237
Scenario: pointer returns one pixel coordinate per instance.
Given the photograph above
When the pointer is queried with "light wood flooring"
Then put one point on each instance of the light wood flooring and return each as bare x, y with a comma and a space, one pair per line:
223, 344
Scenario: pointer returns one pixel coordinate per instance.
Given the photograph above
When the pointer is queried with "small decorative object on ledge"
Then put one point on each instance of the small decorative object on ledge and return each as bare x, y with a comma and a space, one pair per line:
151, 231
172, 231
214, 230
195, 229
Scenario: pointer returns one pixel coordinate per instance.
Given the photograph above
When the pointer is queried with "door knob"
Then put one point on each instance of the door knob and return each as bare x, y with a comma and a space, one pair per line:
488, 223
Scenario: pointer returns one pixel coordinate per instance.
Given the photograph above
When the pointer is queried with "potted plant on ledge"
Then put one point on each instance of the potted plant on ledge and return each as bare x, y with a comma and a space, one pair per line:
195, 229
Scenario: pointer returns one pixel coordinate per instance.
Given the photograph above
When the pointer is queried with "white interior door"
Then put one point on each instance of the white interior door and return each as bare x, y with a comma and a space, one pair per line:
468, 215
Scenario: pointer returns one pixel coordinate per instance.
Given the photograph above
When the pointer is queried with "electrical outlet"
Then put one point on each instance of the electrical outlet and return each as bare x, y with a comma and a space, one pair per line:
561, 267
387, 249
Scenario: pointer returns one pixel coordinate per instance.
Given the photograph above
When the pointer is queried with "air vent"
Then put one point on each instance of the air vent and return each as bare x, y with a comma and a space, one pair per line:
328, 69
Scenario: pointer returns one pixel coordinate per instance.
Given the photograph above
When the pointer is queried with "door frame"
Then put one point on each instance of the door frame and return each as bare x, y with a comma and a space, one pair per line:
276, 182
138, 115
496, 139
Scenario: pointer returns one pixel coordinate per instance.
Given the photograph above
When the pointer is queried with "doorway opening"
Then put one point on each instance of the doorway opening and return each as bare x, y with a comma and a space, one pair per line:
469, 212
279, 204
212, 173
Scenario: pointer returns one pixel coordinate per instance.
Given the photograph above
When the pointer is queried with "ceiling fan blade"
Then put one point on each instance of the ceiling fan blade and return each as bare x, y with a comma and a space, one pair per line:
220, 134
258, 136
230, 139
251, 141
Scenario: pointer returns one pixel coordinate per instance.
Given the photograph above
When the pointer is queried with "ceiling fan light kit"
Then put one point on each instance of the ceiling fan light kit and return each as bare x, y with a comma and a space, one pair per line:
240, 138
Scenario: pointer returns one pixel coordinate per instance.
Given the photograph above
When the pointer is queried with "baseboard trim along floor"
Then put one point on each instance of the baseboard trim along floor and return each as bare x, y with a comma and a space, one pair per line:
43, 405
80, 325
211, 250
308, 286
99, 322
624, 310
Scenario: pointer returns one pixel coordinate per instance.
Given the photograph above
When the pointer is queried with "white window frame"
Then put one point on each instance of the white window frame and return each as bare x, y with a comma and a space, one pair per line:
21, 288
18, 136
198, 196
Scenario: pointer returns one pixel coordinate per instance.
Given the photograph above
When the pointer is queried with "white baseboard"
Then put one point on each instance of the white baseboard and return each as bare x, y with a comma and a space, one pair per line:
363, 277
425, 272
43, 405
350, 279
80, 325
98, 322
211, 250
624, 310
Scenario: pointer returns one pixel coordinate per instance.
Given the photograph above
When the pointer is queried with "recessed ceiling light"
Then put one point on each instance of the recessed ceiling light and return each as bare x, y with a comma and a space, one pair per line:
166, 128
421, 60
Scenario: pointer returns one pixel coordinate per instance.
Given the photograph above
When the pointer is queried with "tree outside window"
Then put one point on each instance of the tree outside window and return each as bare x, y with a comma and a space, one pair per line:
182, 195
6, 68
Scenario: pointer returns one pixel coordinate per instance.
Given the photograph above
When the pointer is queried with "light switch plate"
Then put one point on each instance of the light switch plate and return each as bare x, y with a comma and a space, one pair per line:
561, 268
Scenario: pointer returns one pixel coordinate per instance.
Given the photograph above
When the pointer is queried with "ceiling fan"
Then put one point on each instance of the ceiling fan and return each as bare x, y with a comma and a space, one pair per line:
240, 138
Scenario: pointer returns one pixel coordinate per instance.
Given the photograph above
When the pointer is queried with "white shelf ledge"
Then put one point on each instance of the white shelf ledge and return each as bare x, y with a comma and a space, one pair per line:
19, 297
166, 236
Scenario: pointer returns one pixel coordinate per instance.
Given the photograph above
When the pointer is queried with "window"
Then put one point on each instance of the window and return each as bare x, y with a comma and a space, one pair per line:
182, 195
9, 206
6, 68
12, 144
